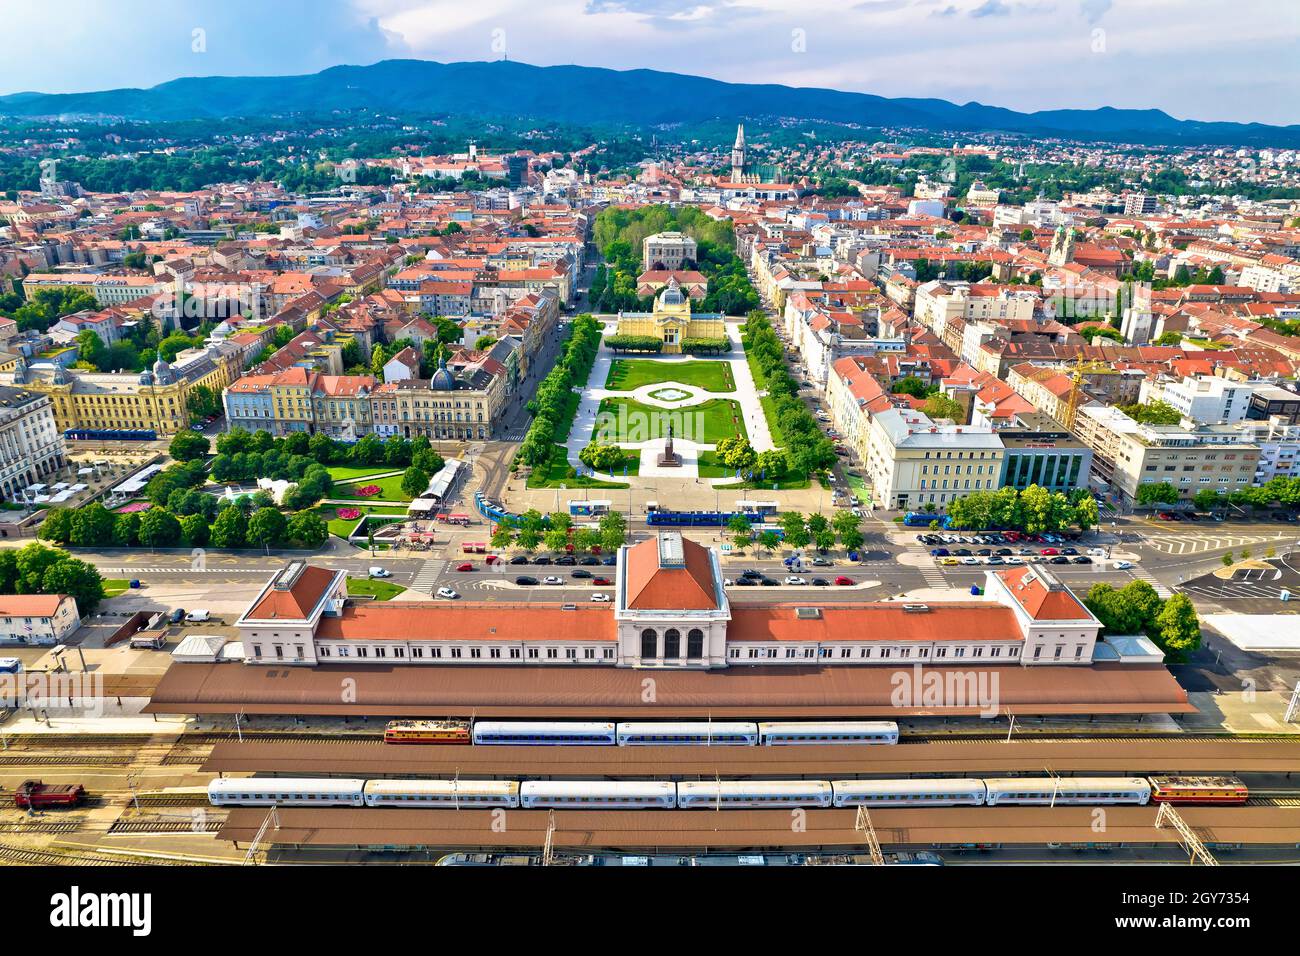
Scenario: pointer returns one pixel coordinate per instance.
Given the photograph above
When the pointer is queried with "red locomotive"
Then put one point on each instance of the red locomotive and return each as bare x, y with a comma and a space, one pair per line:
42, 796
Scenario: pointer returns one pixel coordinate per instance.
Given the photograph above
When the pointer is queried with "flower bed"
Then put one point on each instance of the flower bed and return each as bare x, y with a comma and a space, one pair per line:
367, 491
349, 514
134, 507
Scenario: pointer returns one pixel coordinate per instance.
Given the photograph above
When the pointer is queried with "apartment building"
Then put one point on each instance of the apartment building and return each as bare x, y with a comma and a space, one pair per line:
1128, 454
31, 445
1202, 398
911, 461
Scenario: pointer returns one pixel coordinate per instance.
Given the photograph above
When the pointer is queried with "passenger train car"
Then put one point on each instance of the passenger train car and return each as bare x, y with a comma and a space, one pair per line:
441, 793
611, 794
830, 732
543, 733
1067, 791
951, 792
286, 792
753, 793
701, 734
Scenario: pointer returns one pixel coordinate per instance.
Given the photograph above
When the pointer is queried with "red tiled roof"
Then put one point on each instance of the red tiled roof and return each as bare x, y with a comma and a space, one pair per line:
957, 621
650, 586
1039, 601
467, 621
296, 603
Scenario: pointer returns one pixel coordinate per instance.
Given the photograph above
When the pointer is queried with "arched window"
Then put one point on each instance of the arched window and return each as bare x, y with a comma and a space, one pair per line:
649, 643
672, 643
695, 643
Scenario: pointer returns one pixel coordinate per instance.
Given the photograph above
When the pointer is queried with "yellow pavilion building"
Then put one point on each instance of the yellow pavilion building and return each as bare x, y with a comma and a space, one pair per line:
672, 321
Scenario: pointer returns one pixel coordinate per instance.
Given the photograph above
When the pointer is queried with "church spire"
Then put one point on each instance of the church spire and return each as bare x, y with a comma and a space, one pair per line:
738, 155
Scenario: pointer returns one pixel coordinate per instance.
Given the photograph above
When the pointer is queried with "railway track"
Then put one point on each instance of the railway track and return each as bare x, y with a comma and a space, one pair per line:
63, 760
22, 856
164, 826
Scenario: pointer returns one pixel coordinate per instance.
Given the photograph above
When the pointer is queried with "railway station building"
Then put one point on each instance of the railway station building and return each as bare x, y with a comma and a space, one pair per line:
670, 612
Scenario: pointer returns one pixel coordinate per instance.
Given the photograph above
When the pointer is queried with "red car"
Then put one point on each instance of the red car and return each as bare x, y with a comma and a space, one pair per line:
602, 582
842, 580
1049, 552
465, 567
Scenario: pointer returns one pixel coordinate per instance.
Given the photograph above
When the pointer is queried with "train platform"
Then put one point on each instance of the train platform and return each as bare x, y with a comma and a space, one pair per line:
543, 693
751, 829
970, 758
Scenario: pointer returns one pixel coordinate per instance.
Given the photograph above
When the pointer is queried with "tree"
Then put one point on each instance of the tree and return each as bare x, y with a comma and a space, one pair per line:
426, 459
584, 539
267, 527
768, 540
1208, 499
57, 526
194, 530
796, 529
911, 385
126, 530
73, 576
415, 482
308, 529
1086, 514
204, 401
1152, 493
92, 526
613, 530
528, 539
189, 446
503, 536
941, 406
736, 452
601, 457
557, 539
1153, 413
1178, 629
159, 528
230, 530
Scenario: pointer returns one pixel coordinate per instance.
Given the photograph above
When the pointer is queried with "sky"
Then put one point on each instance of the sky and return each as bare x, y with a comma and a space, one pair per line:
1235, 60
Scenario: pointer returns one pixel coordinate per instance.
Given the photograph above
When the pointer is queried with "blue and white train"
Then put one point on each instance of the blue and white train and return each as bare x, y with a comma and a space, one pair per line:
683, 733
686, 795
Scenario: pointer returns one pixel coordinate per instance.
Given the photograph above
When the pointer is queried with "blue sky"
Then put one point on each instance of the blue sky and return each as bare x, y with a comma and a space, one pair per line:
1196, 59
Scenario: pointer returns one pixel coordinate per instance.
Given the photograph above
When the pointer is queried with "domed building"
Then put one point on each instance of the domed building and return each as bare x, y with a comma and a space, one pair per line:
672, 321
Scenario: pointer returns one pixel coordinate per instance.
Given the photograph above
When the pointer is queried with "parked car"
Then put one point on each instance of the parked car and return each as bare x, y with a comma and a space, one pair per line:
1060, 559
525, 579
377, 572
600, 598
795, 579
543, 559
197, 617
581, 573
1049, 552
566, 560
1083, 559
552, 579
177, 615
744, 582
519, 559
609, 560
589, 560
843, 581
820, 582
602, 582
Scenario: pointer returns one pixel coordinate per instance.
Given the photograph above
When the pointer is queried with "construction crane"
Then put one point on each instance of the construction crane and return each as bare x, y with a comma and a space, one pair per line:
1080, 368
1068, 412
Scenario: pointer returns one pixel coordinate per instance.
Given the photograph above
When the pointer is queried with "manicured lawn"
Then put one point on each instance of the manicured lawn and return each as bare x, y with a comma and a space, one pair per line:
115, 586
377, 588
556, 473
710, 467
340, 527
627, 375
349, 472
390, 489
708, 423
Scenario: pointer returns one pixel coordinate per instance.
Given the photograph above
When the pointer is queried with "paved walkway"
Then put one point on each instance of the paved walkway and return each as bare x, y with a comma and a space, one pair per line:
745, 395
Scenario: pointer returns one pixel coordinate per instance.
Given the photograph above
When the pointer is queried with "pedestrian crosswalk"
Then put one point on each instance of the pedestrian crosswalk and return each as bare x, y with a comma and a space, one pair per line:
1199, 543
1142, 574
426, 579
934, 578
515, 434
